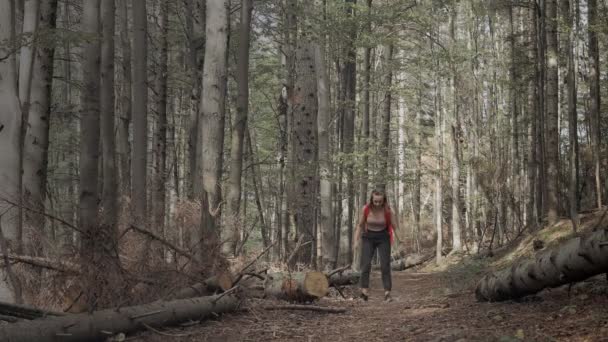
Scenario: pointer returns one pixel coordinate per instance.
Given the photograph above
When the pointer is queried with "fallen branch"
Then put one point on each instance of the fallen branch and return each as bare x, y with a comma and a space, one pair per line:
47, 215
240, 275
338, 270
163, 241
53, 265
305, 307
298, 246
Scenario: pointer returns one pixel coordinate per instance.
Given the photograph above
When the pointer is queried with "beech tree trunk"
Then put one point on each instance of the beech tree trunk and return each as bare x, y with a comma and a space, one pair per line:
574, 260
101, 325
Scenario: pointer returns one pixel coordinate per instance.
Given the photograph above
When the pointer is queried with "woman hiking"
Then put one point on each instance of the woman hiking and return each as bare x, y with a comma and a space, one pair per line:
375, 230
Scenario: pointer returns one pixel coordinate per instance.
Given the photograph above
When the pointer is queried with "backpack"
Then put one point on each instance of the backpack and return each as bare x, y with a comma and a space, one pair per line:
387, 219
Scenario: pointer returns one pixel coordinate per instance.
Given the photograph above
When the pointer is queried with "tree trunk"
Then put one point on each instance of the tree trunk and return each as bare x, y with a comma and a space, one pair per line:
101, 325
238, 129
139, 159
257, 190
31, 9
124, 147
386, 117
36, 141
109, 217
533, 113
595, 96
326, 225
349, 78
160, 187
568, 13
299, 287
552, 113
574, 260
304, 143
10, 129
367, 62
454, 146
213, 111
89, 152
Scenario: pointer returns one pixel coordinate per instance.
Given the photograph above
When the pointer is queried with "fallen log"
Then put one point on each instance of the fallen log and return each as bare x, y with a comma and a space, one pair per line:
410, 261
347, 277
100, 325
298, 287
574, 260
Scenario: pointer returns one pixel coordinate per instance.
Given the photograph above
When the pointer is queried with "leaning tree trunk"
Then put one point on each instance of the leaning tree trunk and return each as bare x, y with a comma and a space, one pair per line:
299, 287
101, 325
575, 260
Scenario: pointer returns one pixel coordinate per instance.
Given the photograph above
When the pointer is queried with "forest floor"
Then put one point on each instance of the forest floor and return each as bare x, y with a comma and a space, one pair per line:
433, 303
425, 308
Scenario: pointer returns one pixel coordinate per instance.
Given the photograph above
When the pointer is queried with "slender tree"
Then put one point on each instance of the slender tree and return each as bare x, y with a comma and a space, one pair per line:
552, 113
239, 126
36, 140
139, 158
160, 146
110, 177
595, 97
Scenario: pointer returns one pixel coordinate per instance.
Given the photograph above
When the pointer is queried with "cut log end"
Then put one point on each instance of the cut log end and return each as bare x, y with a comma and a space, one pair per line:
316, 284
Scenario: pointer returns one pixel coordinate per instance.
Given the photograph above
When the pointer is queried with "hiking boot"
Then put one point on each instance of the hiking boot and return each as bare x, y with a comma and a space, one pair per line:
364, 296
388, 298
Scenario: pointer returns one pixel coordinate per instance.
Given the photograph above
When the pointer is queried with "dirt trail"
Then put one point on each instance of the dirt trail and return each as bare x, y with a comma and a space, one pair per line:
423, 310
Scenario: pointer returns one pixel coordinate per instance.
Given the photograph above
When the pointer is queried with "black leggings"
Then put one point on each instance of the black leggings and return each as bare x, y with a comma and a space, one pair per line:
370, 241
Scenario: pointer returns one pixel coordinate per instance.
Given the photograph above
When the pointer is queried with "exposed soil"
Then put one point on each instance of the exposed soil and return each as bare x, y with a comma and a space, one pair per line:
425, 308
